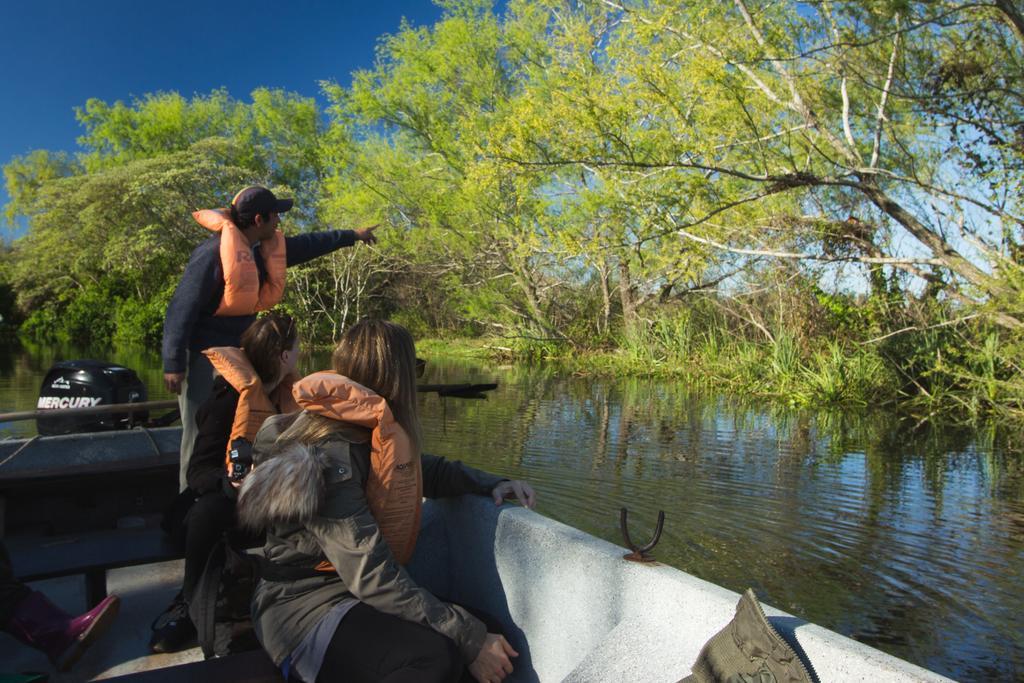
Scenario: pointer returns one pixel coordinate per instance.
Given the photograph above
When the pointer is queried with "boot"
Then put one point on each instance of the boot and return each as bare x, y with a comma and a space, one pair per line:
39, 623
173, 630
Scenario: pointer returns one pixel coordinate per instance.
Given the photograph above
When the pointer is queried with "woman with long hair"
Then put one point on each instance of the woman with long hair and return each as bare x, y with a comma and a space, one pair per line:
338, 487
252, 383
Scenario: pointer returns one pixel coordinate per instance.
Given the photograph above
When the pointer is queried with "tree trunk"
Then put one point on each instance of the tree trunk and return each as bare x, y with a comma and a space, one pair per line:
941, 249
627, 295
606, 297
536, 313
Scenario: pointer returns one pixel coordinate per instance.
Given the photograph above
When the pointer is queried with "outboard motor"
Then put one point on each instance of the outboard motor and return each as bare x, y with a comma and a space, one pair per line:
85, 384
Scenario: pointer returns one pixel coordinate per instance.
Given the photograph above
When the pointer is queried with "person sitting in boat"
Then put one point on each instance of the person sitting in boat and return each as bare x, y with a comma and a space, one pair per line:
338, 487
253, 382
30, 617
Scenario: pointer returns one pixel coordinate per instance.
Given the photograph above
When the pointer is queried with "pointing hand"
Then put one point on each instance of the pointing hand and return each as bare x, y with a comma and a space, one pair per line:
366, 234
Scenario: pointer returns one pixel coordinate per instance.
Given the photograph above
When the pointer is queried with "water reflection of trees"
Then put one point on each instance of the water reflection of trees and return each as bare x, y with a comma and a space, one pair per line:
852, 520
626, 422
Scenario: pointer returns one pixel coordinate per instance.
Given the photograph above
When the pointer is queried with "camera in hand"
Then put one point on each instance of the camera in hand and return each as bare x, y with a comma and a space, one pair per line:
240, 459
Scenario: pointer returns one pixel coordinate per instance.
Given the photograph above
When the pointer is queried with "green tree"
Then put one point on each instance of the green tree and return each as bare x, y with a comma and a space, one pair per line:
109, 230
438, 95
117, 234
790, 133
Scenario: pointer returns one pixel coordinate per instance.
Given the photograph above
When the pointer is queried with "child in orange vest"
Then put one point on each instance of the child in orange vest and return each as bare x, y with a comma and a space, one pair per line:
252, 383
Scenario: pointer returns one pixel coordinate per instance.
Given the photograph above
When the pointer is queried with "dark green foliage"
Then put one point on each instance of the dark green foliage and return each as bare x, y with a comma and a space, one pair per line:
142, 322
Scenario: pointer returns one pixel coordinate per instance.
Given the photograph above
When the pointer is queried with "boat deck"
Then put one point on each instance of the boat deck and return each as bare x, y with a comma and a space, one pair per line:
569, 603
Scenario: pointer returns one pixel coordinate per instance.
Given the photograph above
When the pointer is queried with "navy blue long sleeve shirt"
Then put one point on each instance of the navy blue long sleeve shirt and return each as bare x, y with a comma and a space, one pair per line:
190, 325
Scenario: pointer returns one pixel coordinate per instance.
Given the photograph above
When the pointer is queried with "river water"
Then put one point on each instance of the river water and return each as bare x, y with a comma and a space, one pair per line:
908, 537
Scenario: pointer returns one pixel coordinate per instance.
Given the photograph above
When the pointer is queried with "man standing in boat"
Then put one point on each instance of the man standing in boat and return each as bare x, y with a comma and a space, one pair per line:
238, 271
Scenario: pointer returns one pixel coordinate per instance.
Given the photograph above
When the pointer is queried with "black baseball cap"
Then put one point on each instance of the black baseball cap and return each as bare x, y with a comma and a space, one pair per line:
257, 199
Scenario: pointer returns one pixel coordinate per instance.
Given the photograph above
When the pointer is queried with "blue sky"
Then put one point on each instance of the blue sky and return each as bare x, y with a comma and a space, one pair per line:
56, 54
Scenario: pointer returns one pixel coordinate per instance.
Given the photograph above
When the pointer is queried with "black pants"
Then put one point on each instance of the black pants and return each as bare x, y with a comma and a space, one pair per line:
371, 646
209, 517
12, 591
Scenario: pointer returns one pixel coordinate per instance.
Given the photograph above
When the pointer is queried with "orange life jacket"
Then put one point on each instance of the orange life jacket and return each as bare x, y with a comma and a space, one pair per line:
243, 293
254, 405
394, 486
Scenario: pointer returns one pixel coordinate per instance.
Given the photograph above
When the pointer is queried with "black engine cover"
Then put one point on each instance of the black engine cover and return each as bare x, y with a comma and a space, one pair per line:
84, 384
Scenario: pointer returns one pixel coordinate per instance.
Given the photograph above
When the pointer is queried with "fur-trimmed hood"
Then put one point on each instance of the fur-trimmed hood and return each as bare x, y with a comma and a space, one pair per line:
286, 488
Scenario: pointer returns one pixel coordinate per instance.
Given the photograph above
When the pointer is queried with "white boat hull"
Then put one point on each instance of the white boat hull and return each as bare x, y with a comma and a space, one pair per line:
577, 611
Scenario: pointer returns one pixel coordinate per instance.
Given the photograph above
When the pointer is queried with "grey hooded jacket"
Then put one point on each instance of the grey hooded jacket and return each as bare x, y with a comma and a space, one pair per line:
312, 502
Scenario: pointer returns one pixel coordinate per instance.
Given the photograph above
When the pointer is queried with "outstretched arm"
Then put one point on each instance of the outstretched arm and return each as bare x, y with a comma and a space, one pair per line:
444, 478
310, 245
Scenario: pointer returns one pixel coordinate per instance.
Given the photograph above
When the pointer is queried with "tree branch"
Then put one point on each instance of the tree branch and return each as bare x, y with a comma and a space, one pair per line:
918, 328
805, 256
797, 102
880, 118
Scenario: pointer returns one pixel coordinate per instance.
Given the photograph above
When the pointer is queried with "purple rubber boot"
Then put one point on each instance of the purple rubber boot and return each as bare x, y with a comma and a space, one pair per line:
39, 623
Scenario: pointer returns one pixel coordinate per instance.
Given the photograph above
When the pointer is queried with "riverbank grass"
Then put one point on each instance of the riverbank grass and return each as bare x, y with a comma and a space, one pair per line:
832, 374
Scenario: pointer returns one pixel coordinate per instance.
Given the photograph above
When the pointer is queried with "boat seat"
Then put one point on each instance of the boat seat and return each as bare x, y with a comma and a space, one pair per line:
91, 554
246, 667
